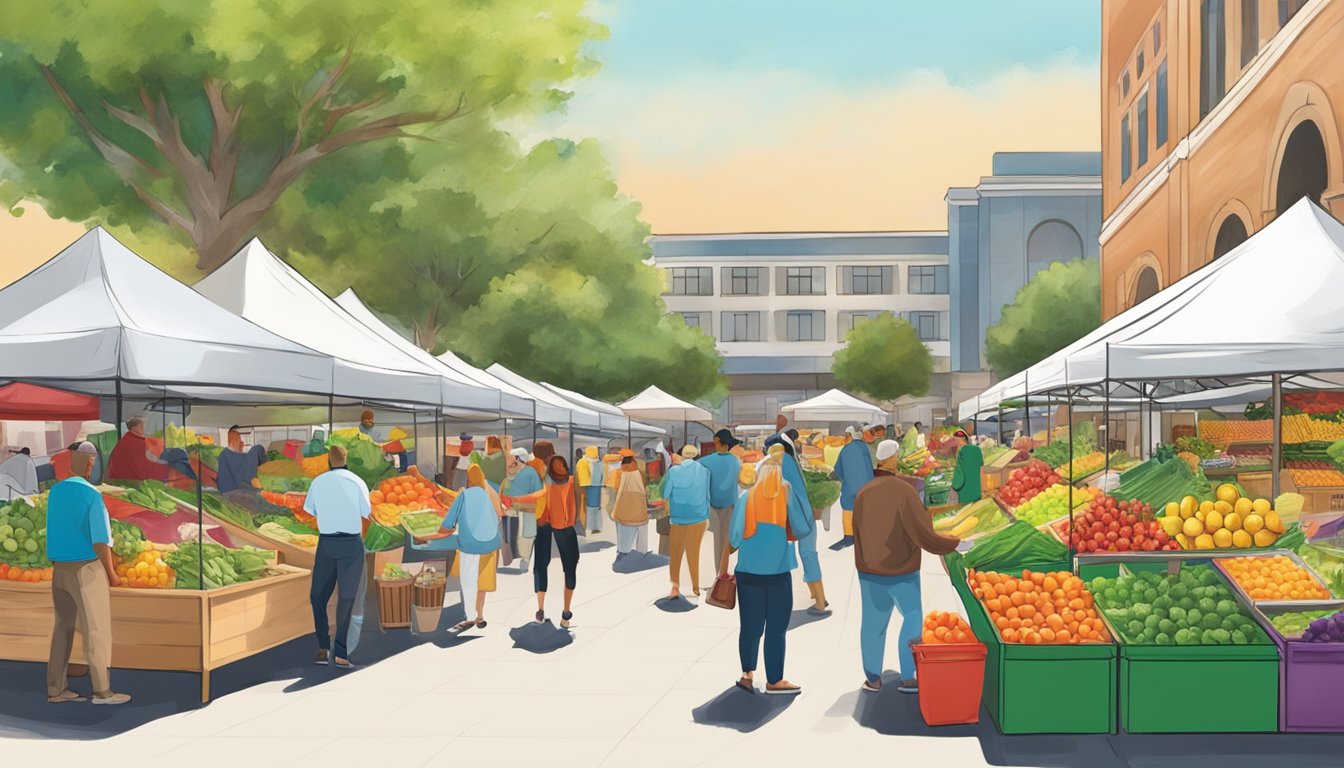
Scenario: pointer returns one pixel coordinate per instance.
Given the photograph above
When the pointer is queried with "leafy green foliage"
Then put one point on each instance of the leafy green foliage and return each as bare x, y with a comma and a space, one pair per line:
884, 359
1060, 305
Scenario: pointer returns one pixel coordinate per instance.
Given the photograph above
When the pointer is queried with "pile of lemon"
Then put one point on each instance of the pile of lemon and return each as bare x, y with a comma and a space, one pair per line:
1233, 521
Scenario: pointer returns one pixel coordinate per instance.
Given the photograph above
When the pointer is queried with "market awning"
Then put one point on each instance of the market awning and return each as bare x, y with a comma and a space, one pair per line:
551, 408
834, 405
28, 402
613, 419
656, 405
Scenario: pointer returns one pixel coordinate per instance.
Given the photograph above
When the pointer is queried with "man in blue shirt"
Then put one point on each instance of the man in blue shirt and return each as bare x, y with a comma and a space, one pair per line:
79, 538
724, 469
854, 469
339, 500
686, 489
237, 464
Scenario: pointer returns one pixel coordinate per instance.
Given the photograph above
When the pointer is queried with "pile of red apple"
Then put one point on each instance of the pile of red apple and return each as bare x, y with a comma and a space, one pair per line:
1118, 526
1025, 483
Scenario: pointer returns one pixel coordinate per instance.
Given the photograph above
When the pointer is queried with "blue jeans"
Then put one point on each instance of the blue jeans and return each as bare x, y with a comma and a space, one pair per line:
879, 595
807, 552
765, 605
336, 568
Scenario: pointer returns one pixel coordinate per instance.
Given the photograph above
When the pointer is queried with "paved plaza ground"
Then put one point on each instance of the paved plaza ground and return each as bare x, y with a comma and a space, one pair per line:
636, 683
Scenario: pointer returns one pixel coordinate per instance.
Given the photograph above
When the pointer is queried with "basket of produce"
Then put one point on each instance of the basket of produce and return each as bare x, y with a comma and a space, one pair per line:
394, 596
427, 602
421, 524
1310, 637
972, 521
1277, 577
1025, 483
1053, 503
1232, 522
950, 666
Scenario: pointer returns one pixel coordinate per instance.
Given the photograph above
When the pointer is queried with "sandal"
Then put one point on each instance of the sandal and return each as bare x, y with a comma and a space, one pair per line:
565, 617
464, 626
481, 624
745, 685
541, 617
784, 688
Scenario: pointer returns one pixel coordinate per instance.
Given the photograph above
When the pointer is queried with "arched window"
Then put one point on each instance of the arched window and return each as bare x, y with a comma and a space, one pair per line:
1147, 286
1231, 234
1302, 172
1049, 242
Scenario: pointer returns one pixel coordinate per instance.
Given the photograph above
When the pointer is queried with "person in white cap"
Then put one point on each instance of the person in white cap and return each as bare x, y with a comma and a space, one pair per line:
854, 469
686, 489
891, 527
521, 479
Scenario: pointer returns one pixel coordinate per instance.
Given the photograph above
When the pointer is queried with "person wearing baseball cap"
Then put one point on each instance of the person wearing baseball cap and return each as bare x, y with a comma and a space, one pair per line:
686, 489
854, 469
891, 527
966, 477
520, 479
724, 468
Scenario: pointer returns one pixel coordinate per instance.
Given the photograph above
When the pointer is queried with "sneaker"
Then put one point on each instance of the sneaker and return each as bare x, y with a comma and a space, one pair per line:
872, 686
522, 565
110, 698
323, 658
908, 686
340, 663
65, 696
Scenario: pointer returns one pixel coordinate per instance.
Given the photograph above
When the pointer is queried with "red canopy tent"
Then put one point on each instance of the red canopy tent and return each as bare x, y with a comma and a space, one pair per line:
29, 402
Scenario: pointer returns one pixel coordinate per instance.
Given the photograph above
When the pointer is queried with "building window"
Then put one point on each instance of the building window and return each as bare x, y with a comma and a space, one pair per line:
1146, 286
926, 325
1212, 55
1138, 65
1125, 141
741, 326
804, 281
1160, 104
927, 279
1157, 37
1142, 120
1288, 9
692, 281
851, 320
743, 281
1049, 242
805, 326
1124, 84
697, 320
866, 280
1250, 30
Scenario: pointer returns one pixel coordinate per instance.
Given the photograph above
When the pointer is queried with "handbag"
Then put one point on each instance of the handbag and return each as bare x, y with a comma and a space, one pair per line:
664, 526
724, 592
505, 551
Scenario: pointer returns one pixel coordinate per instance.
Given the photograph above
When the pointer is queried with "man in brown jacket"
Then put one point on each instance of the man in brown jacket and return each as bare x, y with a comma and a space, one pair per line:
891, 527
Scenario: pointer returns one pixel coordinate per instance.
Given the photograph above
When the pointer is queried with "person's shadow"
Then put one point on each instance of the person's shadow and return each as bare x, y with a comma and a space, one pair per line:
802, 618
540, 638
639, 562
595, 546
741, 711
678, 604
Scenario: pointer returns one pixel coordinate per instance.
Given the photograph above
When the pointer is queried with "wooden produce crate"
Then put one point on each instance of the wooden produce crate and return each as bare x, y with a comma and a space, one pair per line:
169, 629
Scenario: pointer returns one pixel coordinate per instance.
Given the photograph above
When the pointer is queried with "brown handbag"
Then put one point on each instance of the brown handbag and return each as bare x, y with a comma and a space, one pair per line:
724, 592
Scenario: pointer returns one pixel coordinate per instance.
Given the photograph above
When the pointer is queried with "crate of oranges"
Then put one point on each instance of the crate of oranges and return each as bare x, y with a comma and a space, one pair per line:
146, 571
31, 575
1273, 578
945, 627
1039, 608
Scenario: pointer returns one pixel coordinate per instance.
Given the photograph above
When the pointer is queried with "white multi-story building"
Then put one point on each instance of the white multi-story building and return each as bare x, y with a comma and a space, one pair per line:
780, 305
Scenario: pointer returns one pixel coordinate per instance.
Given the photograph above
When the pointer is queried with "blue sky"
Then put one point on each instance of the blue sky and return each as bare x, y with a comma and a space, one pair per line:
750, 115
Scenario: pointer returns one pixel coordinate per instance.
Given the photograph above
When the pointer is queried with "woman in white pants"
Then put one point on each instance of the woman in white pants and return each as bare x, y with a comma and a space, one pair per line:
630, 510
474, 519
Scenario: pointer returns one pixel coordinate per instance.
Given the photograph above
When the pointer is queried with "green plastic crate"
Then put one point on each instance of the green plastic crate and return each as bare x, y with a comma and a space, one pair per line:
1025, 684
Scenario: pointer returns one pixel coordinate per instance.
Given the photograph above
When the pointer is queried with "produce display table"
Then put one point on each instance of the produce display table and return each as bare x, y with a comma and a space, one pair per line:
169, 629
1042, 688
1311, 675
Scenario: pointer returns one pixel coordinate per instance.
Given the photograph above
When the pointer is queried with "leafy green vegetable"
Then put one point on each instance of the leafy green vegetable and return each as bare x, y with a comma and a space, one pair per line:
822, 491
216, 506
152, 494
288, 523
380, 538
127, 539
1156, 483
1201, 448
210, 566
365, 459
1015, 547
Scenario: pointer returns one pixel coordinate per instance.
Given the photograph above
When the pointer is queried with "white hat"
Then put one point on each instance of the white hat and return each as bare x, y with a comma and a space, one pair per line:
887, 448
690, 451
852, 431
86, 447
521, 453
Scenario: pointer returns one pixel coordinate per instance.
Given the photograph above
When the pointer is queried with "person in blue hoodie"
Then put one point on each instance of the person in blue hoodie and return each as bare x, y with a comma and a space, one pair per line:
854, 469
768, 516
807, 544
724, 469
686, 489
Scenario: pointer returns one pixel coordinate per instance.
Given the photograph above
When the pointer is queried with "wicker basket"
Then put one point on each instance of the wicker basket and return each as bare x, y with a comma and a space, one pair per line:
394, 602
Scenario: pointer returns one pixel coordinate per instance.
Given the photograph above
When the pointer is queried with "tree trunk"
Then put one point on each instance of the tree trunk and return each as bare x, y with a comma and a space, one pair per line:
427, 332
216, 242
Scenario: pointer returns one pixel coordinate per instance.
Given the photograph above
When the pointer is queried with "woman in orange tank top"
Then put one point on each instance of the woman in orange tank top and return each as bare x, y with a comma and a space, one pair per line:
557, 513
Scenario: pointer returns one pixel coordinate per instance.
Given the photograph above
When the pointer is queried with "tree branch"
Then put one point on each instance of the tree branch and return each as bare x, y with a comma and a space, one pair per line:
117, 157
159, 207
224, 146
323, 89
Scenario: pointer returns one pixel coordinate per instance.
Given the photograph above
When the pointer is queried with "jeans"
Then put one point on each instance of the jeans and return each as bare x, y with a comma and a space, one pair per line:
567, 542
632, 538
765, 604
339, 562
686, 541
807, 552
879, 595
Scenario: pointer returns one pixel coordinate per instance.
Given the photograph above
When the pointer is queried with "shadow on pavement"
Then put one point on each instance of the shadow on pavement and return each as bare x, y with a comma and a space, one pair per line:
595, 546
640, 562
842, 544
678, 604
803, 618
540, 638
741, 711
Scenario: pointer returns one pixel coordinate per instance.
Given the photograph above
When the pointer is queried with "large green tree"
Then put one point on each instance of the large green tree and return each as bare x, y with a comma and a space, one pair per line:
884, 359
1058, 306
200, 116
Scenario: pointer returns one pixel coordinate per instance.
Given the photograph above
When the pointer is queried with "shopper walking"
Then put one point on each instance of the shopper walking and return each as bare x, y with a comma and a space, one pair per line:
339, 499
686, 489
766, 519
807, 542
891, 526
590, 472
79, 541
521, 479
724, 469
630, 510
556, 517
473, 519
854, 469
966, 477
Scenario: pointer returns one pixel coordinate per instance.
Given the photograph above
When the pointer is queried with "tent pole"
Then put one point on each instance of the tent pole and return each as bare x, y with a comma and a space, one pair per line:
415, 432
1278, 434
1105, 410
120, 420
629, 433
685, 433
534, 422
1026, 403
200, 502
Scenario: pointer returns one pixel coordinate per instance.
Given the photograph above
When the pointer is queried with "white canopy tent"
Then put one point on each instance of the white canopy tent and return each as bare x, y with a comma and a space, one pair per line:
656, 405
566, 414
834, 405
1204, 325
97, 318
256, 285
612, 418
512, 401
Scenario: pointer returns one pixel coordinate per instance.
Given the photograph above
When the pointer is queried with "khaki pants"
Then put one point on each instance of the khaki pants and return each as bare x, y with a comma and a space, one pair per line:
686, 540
719, 519
83, 601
